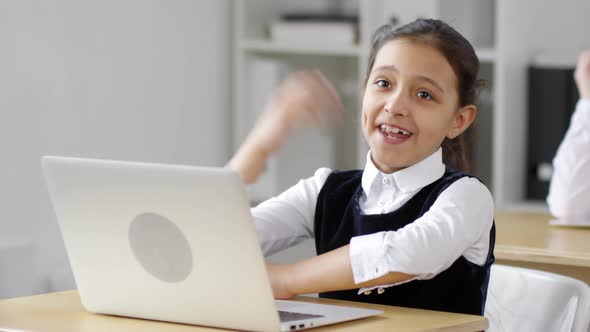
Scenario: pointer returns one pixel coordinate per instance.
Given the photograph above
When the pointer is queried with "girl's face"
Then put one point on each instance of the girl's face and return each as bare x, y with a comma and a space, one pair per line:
411, 103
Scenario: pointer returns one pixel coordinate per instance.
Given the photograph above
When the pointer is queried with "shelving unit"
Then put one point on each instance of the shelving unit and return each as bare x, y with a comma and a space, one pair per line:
486, 54
270, 47
505, 43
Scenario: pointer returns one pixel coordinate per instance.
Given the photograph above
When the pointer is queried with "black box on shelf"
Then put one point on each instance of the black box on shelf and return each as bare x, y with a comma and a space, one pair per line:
552, 97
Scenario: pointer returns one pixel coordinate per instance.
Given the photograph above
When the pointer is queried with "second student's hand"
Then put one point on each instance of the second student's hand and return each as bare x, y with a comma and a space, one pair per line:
300, 100
582, 74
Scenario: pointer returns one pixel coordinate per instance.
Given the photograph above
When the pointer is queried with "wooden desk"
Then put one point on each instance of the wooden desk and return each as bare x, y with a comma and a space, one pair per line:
63, 312
526, 239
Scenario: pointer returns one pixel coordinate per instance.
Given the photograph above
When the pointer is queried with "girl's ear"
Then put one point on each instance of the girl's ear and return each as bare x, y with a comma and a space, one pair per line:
463, 119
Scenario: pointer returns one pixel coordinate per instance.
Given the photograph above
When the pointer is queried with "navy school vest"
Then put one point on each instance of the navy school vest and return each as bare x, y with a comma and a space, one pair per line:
461, 288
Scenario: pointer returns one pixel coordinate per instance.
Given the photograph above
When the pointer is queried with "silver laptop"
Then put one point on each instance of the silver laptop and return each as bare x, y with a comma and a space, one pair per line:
172, 243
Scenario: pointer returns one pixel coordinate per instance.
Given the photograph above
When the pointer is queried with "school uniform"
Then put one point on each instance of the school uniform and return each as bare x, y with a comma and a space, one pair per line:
569, 191
423, 220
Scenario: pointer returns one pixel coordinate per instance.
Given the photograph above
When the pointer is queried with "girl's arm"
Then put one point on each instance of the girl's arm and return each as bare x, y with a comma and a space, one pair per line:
457, 224
569, 191
300, 99
327, 272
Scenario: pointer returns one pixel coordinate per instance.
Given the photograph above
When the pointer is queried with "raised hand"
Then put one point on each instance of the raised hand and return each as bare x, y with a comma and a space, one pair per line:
299, 100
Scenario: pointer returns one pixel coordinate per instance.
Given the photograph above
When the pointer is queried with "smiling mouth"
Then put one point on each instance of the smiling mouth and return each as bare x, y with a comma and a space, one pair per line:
394, 132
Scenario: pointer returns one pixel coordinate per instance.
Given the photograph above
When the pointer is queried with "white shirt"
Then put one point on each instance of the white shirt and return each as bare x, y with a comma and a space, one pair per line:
457, 224
569, 191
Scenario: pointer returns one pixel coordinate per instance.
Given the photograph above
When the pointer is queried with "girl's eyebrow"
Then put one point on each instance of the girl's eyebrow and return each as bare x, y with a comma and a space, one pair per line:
421, 77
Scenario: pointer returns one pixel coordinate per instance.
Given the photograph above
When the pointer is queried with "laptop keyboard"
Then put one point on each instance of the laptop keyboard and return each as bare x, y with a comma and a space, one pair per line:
287, 316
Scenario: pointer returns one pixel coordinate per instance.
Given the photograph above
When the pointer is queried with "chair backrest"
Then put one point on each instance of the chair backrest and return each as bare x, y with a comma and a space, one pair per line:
522, 299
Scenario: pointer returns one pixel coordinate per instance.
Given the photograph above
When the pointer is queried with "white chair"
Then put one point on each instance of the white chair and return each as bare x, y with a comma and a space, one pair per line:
525, 300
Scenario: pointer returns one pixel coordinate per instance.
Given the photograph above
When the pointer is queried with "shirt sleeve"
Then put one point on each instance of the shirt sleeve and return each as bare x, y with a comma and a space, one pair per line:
288, 219
458, 223
569, 190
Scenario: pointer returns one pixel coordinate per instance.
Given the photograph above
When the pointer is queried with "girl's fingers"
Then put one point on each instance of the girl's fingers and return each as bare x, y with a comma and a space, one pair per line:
314, 115
338, 106
323, 95
304, 95
307, 98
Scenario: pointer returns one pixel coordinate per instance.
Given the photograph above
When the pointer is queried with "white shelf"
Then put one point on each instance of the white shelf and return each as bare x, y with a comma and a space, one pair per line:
486, 54
270, 46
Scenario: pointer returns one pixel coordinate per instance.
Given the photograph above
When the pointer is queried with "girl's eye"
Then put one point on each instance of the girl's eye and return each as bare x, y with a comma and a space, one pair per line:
383, 83
424, 95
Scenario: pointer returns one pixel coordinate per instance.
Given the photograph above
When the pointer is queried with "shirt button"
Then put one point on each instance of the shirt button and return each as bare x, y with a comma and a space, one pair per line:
385, 181
380, 290
367, 292
381, 203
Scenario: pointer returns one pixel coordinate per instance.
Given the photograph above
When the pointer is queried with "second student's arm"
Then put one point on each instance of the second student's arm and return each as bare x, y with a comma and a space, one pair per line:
569, 191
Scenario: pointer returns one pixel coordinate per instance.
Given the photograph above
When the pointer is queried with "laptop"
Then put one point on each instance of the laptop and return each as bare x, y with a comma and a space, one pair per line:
171, 243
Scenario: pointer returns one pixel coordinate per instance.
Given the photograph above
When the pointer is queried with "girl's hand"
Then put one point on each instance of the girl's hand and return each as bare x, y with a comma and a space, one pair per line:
279, 274
582, 74
299, 100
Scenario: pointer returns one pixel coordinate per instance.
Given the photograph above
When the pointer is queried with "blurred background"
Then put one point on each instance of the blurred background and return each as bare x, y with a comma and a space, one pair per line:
182, 81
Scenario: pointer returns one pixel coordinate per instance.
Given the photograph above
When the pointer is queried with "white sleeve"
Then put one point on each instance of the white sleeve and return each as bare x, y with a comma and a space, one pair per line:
288, 219
569, 191
457, 224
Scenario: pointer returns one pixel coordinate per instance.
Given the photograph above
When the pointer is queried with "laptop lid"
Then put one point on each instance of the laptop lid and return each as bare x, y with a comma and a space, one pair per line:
164, 242
169, 242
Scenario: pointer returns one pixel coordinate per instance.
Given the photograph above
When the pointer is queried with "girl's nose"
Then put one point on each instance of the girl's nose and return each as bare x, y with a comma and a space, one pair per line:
396, 105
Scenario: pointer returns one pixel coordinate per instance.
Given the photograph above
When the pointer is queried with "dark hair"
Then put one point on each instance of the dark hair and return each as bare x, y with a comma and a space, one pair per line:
459, 54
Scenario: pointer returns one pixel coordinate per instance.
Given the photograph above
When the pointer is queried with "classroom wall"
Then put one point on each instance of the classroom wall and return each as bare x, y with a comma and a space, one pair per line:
143, 80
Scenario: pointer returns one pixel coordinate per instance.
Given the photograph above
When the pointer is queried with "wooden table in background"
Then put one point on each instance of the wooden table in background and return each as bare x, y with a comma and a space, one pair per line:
526, 239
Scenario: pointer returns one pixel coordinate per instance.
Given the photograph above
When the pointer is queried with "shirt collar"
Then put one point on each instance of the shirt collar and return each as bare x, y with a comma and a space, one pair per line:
408, 179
